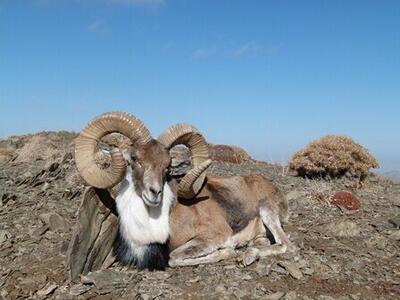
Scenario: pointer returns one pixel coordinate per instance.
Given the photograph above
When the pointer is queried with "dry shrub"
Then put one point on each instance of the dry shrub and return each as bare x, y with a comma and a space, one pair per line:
6, 154
333, 157
38, 148
117, 140
232, 154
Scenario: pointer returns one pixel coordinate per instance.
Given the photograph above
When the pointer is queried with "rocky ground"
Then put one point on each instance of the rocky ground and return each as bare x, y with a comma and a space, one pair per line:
343, 254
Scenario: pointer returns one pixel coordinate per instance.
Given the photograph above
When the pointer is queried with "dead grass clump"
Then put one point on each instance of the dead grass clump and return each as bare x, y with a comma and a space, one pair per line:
38, 148
6, 154
232, 154
333, 157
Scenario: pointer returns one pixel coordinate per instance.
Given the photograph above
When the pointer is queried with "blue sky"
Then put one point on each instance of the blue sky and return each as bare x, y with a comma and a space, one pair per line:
269, 76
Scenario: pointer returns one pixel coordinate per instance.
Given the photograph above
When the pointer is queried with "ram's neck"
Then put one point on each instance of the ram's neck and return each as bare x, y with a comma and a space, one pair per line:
140, 224
143, 230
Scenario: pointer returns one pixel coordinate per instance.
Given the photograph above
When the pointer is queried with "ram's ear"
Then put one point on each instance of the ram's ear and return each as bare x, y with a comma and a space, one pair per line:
128, 155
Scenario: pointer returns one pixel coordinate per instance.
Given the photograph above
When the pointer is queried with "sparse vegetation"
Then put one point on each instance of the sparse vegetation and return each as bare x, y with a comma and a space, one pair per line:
333, 157
225, 153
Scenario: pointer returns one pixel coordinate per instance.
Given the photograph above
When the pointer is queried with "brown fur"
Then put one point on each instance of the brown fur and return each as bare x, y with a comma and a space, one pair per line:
227, 213
224, 207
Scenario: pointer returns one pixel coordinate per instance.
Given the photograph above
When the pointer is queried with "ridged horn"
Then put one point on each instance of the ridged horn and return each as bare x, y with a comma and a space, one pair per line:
86, 147
192, 182
189, 136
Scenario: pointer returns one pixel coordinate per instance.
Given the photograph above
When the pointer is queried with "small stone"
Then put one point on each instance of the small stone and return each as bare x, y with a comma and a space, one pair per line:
240, 293
345, 228
104, 279
308, 271
220, 289
248, 257
247, 261
278, 269
292, 269
4, 236
247, 277
293, 195
195, 279
4, 294
274, 296
46, 186
48, 289
55, 222
290, 296
40, 231
8, 197
64, 247
395, 221
262, 269
395, 236
79, 289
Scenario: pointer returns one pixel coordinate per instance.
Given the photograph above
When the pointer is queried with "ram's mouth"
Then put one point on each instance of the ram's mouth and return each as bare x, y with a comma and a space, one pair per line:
149, 202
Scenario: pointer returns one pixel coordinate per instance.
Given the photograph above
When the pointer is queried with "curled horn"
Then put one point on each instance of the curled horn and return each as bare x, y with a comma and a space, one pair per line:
189, 136
86, 147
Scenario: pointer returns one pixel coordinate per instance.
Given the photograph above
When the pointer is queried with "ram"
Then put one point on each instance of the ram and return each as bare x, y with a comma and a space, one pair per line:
164, 220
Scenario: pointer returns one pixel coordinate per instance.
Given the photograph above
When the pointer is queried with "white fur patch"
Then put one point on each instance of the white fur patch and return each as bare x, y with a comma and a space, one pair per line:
140, 224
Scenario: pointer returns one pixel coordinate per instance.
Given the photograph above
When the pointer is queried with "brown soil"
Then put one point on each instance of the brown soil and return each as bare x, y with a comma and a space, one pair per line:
342, 254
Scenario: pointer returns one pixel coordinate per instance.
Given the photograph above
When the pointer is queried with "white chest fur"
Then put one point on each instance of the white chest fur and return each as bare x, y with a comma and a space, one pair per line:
140, 224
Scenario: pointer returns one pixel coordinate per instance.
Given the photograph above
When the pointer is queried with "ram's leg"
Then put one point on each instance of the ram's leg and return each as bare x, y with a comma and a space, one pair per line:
197, 252
272, 222
216, 256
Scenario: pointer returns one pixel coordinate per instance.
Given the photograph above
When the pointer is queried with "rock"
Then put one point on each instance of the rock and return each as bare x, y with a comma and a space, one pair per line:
49, 288
346, 200
395, 236
54, 221
345, 228
292, 269
79, 289
294, 195
262, 269
278, 269
181, 161
248, 260
4, 236
220, 289
4, 294
274, 296
247, 277
290, 296
6, 197
64, 247
380, 225
395, 221
58, 223
94, 233
240, 293
105, 279
40, 231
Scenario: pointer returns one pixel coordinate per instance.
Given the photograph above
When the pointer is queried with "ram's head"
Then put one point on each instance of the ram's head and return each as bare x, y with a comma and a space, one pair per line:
147, 158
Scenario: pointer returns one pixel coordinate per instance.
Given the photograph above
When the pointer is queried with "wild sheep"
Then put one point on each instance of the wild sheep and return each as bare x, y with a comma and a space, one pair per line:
179, 222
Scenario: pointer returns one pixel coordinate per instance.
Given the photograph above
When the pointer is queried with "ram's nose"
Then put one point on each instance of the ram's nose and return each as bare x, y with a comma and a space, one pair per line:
156, 192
